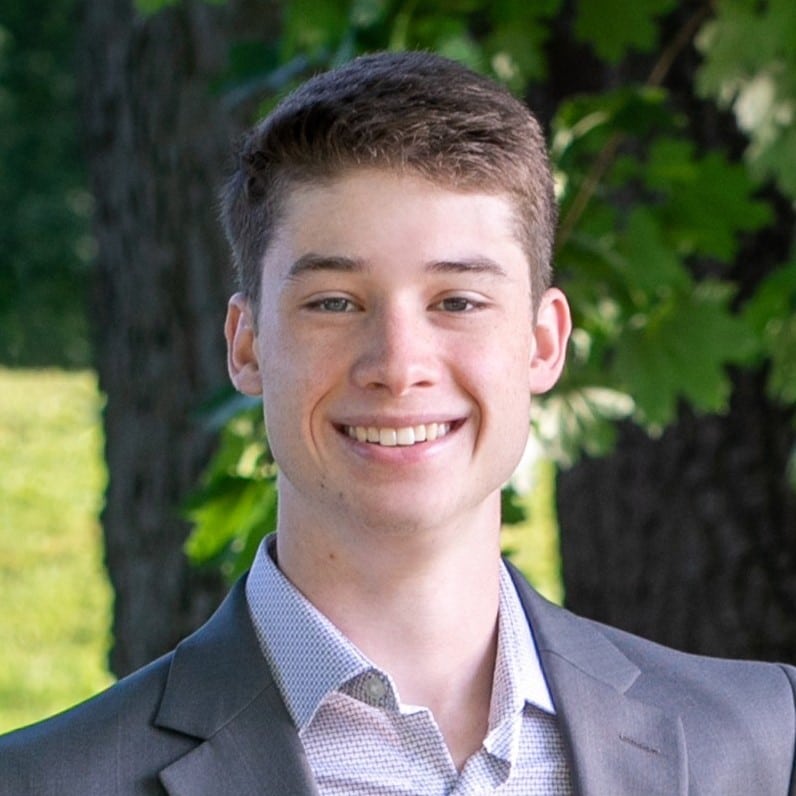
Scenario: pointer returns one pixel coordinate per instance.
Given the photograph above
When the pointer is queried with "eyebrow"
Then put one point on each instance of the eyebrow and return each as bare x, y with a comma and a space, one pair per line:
324, 262
469, 265
310, 262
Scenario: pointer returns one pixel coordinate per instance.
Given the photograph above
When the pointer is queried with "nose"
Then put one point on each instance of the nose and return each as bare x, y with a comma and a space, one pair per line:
397, 352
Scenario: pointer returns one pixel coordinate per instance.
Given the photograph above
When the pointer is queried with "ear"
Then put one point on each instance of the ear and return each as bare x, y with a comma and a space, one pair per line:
243, 361
551, 334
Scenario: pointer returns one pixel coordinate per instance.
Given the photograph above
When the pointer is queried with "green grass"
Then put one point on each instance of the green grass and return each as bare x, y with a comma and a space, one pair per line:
533, 544
55, 600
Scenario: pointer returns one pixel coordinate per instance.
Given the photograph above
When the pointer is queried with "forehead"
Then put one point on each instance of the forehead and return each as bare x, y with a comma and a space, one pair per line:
370, 207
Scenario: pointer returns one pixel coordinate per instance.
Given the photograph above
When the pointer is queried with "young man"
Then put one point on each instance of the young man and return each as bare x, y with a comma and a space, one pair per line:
392, 224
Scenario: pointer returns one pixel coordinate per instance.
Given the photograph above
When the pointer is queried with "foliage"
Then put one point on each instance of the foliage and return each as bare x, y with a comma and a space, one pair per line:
750, 67
236, 505
45, 245
148, 7
613, 27
652, 221
54, 627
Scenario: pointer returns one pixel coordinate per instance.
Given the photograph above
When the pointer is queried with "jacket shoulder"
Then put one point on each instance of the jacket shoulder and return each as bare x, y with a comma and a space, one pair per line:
740, 708
108, 738
736, 719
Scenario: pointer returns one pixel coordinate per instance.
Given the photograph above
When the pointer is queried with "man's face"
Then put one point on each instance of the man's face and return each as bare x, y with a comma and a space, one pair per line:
395, 351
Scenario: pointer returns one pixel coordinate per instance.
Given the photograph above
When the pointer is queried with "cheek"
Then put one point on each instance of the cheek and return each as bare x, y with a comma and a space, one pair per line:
503, 363
291, 361
498, 379
296, 378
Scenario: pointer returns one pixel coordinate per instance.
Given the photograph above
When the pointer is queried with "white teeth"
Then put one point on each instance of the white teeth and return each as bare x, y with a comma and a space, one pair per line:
388, 437
405, 436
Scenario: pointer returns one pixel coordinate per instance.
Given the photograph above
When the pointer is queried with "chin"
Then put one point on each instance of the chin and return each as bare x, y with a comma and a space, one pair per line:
409, 518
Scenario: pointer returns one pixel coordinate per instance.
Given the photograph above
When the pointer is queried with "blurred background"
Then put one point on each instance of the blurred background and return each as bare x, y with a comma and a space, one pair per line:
658, 489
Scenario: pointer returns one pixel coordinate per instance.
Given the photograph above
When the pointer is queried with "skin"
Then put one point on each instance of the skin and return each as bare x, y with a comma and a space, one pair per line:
390, 302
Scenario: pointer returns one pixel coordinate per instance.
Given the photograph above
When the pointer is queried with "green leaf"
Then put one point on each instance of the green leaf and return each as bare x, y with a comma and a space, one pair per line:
515, 45
650, 266
229, 525
512, 511
680, 351
516, 55
312, 26
581, 419
775, 159
461, 46
583, 124
707, 200
613, 27
149, 7
772, 314
364, 13
774, 298
781, 343
749, 65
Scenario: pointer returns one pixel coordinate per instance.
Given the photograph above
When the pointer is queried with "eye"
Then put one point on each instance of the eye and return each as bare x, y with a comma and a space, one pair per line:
332, 304
458, 304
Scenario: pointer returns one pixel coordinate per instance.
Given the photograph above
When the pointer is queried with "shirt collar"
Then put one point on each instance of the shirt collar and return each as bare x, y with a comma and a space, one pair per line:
311, 658
518, 671
308, 655
518, 680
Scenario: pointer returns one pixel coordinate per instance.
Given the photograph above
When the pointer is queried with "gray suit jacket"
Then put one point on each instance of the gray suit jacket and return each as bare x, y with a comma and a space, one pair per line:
208, 720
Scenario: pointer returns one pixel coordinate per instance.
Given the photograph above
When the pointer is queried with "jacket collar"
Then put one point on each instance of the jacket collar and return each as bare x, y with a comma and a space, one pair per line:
221, 691
616, 743
248, 744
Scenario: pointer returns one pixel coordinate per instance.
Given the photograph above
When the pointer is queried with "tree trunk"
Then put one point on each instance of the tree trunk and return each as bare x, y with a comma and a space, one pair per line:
690, 539
156, 141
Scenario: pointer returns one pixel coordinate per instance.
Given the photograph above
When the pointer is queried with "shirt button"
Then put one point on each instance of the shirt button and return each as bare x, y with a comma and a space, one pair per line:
375, 687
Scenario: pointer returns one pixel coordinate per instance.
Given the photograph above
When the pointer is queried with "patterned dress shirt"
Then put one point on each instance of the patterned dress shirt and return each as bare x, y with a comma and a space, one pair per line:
358, 736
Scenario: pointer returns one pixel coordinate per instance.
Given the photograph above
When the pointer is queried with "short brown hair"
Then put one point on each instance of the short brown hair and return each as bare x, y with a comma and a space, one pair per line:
411, 112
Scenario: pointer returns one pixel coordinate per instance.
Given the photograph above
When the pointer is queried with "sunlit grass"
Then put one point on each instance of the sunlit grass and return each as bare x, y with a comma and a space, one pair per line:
54, 593
533, 544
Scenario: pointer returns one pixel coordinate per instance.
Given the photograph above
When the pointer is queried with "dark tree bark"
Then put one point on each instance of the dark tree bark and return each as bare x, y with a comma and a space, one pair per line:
690, 539
157, 141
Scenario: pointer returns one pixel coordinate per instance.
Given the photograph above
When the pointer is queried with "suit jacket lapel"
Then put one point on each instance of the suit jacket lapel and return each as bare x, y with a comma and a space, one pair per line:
616, 744
221, 690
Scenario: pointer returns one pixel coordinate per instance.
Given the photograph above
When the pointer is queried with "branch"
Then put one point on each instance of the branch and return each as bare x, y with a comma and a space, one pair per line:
607, 154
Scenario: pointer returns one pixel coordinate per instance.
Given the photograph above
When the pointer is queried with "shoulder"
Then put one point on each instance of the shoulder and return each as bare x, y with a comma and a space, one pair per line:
739, 711
676, 676
731, 715
682, 677
119, 741
703, 690
108, 738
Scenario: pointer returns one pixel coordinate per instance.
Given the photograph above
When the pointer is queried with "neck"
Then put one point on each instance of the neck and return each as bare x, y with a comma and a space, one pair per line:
421, 605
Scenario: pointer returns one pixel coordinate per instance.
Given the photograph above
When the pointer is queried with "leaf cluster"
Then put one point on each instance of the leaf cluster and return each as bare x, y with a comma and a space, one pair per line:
235, 507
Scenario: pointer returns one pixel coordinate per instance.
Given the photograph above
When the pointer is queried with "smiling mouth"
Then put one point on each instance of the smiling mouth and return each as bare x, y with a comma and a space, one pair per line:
393, 437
